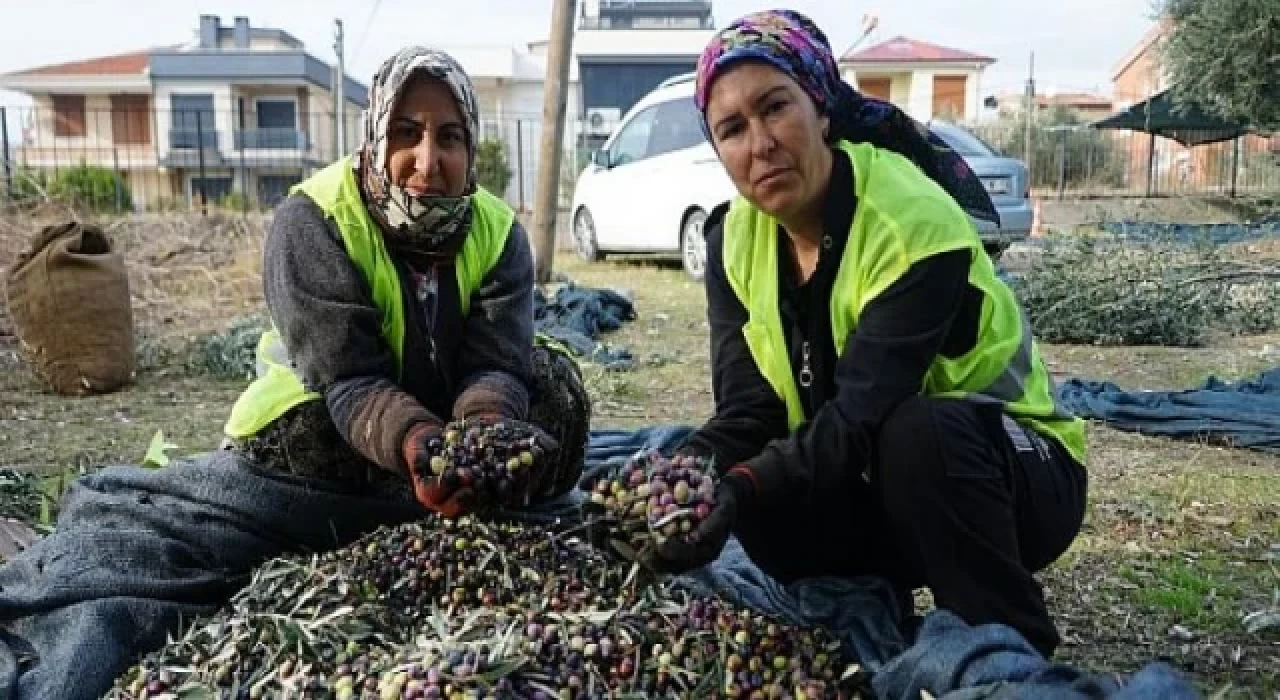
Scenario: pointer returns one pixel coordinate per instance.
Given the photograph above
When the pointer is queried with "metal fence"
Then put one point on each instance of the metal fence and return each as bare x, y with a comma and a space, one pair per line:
152, 159
162, 160
1079, 161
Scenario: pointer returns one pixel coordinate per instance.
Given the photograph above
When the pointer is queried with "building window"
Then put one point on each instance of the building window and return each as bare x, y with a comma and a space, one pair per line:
949, 95
193, 122
666, 23
621, 85
131, 119
277, 114
68, 115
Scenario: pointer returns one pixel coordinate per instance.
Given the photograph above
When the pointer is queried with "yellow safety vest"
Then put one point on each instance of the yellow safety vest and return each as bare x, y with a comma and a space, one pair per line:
277, 387
902, 217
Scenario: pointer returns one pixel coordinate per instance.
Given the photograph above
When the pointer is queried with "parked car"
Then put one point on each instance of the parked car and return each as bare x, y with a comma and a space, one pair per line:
1006, 180
651, 186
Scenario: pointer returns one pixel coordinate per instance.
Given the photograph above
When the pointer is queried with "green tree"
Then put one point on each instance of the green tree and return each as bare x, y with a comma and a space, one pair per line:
1224, 56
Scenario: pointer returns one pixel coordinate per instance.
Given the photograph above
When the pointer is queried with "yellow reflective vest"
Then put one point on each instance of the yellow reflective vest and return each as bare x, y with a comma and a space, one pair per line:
277, 387
902, 217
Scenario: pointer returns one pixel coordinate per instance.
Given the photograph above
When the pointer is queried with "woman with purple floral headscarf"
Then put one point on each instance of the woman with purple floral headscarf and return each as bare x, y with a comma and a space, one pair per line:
881, 407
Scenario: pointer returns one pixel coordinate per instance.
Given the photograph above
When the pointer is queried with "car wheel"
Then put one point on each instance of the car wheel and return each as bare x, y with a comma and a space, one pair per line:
584, 237
693, 245
995, 250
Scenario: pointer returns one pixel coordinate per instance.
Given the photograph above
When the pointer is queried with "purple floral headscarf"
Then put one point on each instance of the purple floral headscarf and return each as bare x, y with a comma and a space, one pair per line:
794, 45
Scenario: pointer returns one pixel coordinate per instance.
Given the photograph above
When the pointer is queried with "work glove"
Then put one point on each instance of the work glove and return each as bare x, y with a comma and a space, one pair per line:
452, 496
681, 553
422, 442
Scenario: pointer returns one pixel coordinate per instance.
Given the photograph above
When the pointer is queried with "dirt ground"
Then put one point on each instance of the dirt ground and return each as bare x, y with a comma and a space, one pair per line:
1181, 542
1065, 213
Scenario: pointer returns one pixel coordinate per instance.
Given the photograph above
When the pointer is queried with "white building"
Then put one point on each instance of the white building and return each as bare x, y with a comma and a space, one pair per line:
622, 49
237, 111
924, 80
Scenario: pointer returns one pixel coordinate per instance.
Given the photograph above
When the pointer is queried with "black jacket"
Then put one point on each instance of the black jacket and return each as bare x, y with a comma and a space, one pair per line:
930, 310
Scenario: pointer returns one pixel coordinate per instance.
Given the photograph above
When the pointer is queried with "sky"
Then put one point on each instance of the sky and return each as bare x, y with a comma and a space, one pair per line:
1076, 42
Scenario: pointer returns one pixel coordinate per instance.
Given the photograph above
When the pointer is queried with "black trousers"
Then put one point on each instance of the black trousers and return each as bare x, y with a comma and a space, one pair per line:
959, 499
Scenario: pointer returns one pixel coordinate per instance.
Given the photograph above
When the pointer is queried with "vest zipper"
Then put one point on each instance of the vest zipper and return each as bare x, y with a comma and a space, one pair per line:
806, 372
428, 296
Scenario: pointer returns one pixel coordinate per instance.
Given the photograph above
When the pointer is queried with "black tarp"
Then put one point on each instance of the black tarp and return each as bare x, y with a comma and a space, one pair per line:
1162, 115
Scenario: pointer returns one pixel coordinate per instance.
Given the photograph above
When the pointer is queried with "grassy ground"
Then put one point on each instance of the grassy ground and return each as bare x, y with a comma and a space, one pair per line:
1181, 541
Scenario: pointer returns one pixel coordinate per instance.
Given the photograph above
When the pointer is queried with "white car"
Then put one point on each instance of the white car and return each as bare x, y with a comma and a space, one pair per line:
652, 184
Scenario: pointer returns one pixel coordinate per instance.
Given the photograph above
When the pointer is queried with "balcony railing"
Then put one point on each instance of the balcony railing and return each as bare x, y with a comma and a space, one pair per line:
192, 138
274, 138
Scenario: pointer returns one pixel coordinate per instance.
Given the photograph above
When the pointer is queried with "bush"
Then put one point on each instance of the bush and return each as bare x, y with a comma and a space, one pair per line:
492, 169
1102, 291
92, 187
234, 201
28, 185
230, 354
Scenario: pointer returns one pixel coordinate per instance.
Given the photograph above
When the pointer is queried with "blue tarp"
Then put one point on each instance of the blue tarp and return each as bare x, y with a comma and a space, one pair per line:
1243, 414
577, 316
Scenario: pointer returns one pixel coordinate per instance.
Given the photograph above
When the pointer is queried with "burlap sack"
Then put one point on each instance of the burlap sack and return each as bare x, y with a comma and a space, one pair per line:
68, 298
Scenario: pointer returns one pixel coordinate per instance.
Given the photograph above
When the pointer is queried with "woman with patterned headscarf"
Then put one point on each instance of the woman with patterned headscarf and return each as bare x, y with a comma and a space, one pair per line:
881, 407
401, 295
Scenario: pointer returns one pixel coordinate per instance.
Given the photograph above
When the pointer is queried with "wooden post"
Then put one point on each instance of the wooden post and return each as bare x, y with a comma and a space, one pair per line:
555, 97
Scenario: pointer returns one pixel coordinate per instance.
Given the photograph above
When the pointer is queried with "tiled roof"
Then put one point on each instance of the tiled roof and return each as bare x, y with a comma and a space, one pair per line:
134, 63
900, 49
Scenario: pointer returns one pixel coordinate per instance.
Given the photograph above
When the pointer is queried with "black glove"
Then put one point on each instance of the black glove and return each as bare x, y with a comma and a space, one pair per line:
681, 553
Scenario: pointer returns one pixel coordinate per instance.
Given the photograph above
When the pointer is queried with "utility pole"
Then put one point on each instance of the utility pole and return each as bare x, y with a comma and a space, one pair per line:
554, 99
339, 91
1031, 112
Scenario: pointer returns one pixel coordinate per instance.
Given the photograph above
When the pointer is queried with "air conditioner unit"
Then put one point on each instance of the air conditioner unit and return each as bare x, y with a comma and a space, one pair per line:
601, 121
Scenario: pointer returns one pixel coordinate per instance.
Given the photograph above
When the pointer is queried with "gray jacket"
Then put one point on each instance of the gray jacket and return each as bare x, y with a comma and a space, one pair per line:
454, 366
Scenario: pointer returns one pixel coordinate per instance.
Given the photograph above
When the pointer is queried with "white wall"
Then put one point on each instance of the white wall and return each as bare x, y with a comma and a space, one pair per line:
900, 88
912, 90
919, 102
518, 105
973, 97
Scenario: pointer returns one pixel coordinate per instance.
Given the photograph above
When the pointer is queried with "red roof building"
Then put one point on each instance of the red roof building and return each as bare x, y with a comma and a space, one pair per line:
927, 80
900, 49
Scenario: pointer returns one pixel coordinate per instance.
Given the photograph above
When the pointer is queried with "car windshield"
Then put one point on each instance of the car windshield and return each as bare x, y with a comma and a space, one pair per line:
964, 143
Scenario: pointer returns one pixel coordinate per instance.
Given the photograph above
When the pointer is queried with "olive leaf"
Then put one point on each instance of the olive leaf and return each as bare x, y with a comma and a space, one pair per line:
156, 449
